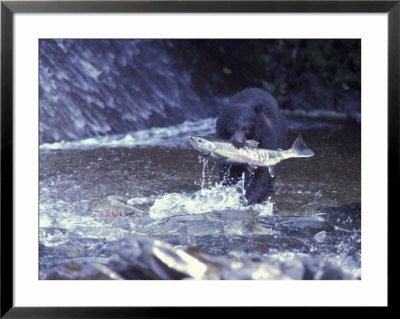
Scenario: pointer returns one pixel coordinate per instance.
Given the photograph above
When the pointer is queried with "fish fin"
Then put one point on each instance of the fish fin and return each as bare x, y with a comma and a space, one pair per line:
252, 143
272, 170
251, 168
253, 165
301, 149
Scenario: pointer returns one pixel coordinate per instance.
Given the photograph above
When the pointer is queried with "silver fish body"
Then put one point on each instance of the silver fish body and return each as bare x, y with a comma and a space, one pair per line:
250, 154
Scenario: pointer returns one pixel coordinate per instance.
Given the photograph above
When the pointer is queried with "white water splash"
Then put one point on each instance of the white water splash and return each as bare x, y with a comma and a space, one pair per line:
176, 135
266, 208
208, 198
60, 221
171, 136
218, 197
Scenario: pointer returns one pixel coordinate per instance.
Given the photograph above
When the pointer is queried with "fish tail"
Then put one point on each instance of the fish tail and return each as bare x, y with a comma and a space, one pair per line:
300, 148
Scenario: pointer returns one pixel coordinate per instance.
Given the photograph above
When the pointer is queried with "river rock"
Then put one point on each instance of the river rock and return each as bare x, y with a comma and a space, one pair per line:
139, 257
142, 257
82, 271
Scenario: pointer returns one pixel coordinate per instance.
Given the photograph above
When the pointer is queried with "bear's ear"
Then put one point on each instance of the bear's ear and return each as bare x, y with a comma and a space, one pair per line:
258, 107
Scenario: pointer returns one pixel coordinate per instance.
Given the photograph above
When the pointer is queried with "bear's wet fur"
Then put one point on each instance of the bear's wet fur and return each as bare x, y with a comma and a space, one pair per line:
252, 114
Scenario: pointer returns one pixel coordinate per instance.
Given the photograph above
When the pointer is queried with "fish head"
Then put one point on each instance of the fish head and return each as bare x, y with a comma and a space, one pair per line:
202, 144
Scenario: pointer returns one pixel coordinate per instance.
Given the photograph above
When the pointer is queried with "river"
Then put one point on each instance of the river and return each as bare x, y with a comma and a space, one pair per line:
108, 204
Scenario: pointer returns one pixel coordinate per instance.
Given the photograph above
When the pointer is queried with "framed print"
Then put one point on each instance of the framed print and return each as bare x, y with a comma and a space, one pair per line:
164, 155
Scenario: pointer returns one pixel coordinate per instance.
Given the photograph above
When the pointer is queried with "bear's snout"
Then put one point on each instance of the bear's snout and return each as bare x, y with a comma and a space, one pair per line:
238, 139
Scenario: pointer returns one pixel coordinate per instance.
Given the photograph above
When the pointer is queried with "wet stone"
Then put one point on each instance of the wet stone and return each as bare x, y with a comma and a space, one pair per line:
82, 271
330, 272
294, 269
141, 257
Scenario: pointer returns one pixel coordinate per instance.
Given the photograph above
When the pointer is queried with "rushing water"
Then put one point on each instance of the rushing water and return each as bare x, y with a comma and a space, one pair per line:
99, 196
92, 87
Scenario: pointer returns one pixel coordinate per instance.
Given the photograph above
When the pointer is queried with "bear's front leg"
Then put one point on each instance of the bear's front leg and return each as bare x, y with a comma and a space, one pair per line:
258, 186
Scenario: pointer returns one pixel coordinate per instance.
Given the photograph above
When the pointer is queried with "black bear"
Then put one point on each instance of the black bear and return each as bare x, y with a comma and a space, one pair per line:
252, 114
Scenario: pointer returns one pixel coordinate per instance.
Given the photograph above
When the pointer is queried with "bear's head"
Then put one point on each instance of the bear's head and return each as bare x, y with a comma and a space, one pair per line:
238, 122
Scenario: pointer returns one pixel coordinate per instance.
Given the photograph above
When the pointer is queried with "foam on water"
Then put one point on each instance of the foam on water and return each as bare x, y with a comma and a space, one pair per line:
176, 135
208, 198
60, 221
171, 136
217, 197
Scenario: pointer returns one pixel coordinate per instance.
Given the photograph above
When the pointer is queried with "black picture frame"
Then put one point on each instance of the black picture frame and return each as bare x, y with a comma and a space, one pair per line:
9, 8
